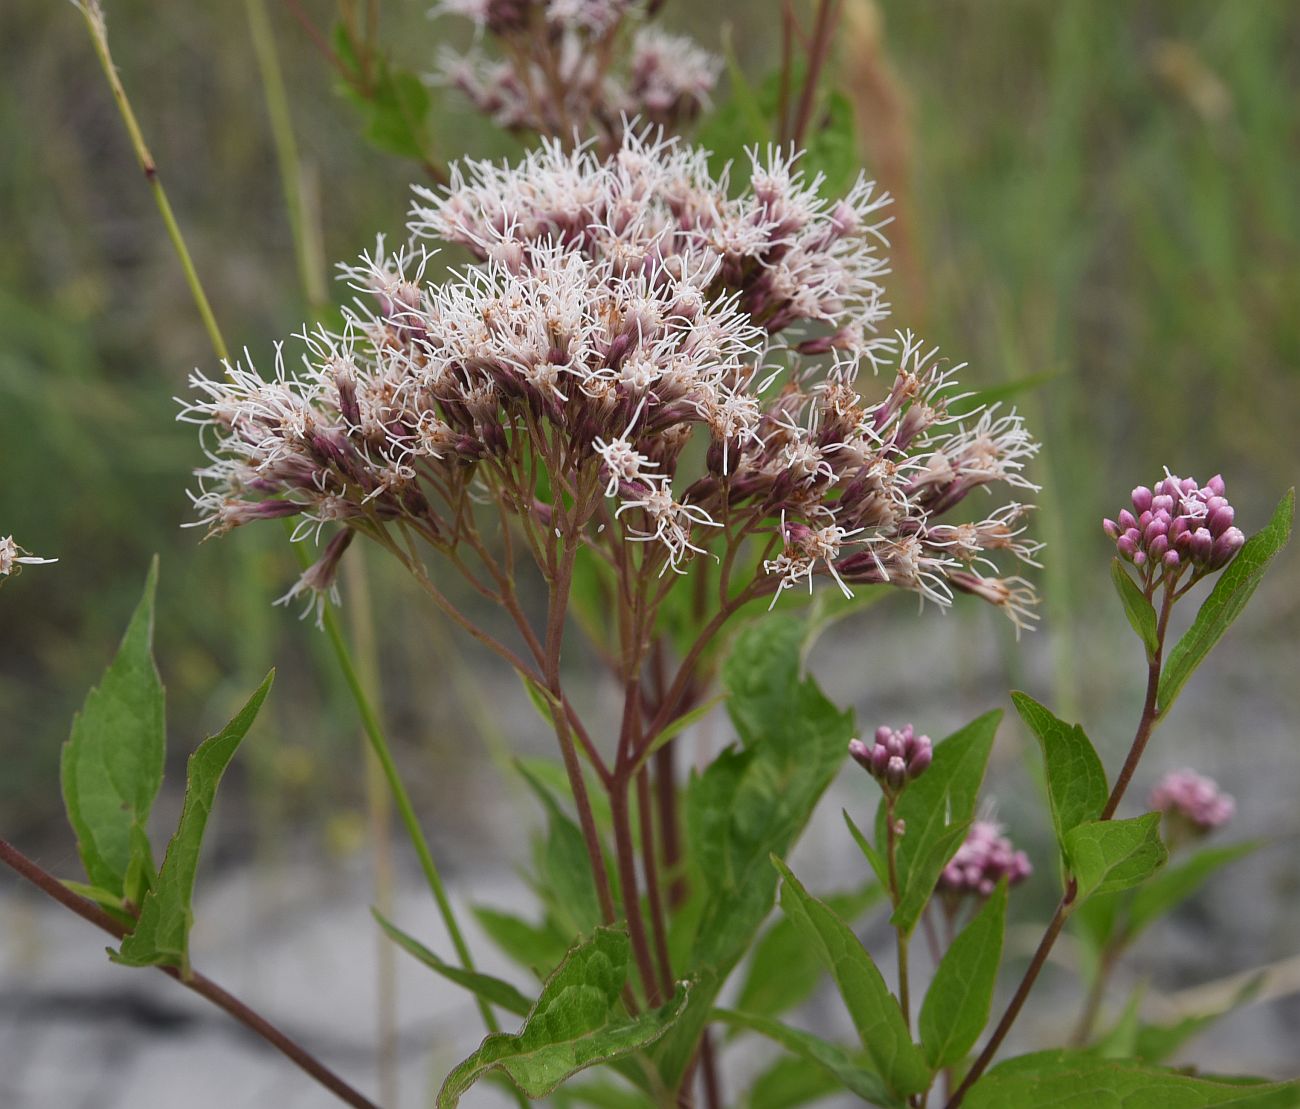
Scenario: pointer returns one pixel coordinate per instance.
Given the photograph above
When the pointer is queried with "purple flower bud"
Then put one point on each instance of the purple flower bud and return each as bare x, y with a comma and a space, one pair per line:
1202, 544
1216, 485
1127, 547
1157, 547
1110, 528
1158, 526
920, 761
1171, 559
1226, 547
895, 772
879, 760
860, 753
1162, 503
1220, 519
1194, 799
1142, 498
1126, 519
984, 859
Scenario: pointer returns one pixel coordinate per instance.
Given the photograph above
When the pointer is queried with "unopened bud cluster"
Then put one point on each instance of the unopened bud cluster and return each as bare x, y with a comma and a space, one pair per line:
894, 758
571, 66
1177, 526
13, 558
1194, 799
982, 861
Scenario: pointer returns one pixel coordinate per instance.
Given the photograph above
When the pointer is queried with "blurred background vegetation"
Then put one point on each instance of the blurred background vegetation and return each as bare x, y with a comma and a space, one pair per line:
1098, 195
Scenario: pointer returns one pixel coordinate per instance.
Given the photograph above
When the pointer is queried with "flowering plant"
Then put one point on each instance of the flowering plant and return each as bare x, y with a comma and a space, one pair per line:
655, 401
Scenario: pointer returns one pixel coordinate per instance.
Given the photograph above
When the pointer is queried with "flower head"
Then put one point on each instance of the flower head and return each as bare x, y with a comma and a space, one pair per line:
983, 860
687, 362
13, 558
1192, 801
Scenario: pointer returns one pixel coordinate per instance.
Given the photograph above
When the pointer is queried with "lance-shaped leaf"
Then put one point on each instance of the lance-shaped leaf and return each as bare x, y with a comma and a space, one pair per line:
937, 809
1109, 855
1226, 600
162, 934
1137, 606
577, 1022
536, 947
564, 866
495, 991
1072, 1080
112, 763
957, 1004
784, 970
843, 1065
1175, 884
1076, 781
874, 1010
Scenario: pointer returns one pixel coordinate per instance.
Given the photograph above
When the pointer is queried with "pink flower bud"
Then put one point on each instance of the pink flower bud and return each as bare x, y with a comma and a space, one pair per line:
1142, 498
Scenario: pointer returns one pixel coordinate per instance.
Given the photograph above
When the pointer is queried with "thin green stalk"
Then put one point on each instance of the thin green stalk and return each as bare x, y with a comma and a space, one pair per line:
94, 17
306, 246
375, 733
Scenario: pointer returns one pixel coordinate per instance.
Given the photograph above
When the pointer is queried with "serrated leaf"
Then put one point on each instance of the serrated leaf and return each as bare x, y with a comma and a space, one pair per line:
754, 801
112, 764
1109, 855
957, 1004
161, 937
1234, 588
1061, 1079
565, 878
843, 1065
495, 991
784, 971
1076, 780
536, 947
875, 1012
936, 810
577, 1022
1137, 607
1175, 884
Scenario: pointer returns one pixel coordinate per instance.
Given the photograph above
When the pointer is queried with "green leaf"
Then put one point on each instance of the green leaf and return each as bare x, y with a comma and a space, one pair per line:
1109, 855
957, 1004
832, 149
937, 809
676, 727
1137, 606
784, 970
577, 1022
672, 1055
1175, 884
1155, 1043
565, 868
536, 947
790, 1082
754, 801
875, 1013
112, 763
601, 1095
1076, 780
163, 932
1226, 600
835, 1060
1061, 1079
553, 776
492, 990
878, 865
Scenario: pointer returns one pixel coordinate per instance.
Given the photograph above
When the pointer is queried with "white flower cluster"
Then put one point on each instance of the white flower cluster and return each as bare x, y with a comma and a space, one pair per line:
645, 338
565, 67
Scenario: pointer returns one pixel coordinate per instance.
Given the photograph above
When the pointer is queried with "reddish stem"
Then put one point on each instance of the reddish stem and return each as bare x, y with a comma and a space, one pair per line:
43, 880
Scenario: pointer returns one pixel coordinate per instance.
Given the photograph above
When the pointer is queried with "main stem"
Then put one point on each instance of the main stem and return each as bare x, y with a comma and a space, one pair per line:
891, 851
1146, 725
200, 984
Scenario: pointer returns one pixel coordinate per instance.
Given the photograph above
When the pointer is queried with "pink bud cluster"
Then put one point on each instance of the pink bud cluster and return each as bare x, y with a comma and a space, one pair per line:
894, 758
1194, 798
682, 359
13, 558
1177, 526
982, 861
568, 66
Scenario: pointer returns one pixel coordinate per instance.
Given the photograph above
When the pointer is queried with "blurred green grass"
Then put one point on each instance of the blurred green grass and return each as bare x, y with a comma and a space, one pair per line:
1101, 191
